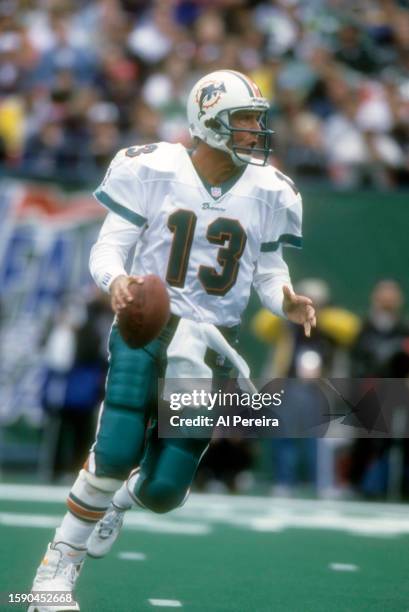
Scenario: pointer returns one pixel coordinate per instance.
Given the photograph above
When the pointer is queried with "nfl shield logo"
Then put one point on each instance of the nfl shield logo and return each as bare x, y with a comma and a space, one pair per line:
216, 192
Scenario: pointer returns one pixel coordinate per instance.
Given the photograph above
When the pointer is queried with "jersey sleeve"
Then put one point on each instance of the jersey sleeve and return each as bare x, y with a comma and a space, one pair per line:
271, 274
110, 253
284, 223
122, 190
282, 228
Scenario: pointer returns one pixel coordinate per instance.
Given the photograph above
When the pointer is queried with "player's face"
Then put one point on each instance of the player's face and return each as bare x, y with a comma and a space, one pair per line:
245, 120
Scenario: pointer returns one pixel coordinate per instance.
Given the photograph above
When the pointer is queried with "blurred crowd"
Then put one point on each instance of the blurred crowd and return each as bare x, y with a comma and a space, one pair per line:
79, 80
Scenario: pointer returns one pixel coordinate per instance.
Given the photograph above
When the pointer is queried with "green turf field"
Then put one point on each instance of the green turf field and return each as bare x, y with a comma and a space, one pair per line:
224, 554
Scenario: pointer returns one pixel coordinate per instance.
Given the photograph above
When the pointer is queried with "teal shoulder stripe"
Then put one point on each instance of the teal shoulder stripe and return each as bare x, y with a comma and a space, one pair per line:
289, 239
120, 210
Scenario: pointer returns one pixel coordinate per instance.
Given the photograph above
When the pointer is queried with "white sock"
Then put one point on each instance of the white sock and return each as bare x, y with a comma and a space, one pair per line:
87, 501
73, 531
122, 498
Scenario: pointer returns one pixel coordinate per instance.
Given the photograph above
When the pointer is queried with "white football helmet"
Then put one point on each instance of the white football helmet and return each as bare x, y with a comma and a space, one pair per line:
212, 102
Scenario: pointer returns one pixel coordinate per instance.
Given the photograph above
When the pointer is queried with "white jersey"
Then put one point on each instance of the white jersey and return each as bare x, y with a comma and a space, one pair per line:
209, 244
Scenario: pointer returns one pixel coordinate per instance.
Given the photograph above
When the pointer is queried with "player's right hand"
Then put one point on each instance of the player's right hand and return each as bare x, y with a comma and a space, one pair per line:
119, 290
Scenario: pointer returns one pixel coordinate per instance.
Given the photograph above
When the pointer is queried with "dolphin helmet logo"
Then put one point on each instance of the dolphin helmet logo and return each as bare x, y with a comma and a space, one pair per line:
209, 95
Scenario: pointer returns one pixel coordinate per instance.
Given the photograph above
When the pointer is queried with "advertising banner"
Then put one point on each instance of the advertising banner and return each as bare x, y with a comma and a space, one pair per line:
45, 239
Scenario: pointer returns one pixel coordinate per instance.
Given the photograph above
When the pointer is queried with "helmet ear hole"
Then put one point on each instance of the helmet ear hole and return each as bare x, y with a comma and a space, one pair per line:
212, 124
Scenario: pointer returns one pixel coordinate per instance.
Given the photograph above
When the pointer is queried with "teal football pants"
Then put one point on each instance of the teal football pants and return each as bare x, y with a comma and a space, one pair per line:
124, 440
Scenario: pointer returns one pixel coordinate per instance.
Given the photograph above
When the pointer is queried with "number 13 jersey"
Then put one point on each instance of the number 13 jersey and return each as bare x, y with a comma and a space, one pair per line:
207, 243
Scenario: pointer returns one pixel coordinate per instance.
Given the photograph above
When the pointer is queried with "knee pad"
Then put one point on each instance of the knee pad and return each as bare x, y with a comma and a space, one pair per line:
160, 496
167, 471
90, 496
119, 442
132, 375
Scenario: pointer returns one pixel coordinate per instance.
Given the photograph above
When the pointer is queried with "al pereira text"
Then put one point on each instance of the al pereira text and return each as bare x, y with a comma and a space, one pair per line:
223, 421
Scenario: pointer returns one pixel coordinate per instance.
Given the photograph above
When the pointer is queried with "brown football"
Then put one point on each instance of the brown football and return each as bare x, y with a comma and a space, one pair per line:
143, 318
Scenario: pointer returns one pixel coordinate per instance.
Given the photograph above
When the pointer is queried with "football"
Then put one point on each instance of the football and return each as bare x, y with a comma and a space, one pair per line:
143, 318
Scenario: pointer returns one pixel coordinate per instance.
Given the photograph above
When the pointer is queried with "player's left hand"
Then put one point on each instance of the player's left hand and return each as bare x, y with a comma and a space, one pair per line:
299, 309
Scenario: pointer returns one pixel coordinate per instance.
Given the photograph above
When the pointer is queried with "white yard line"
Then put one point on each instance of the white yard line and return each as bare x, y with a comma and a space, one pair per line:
131, 556
166, 603
40, 493
147, 521
29, 520
343, 567
144, 522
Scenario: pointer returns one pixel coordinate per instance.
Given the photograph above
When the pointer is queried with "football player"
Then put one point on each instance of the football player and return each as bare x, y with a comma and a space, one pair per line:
210, 223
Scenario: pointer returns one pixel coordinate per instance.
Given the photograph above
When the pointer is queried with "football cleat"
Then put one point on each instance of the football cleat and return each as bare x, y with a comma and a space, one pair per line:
106, 532
57, 573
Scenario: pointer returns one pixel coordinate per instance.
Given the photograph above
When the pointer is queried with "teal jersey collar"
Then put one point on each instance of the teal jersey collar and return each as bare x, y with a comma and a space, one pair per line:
217, 191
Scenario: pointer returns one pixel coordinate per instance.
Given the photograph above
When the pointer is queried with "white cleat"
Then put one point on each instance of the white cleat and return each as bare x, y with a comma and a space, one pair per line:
106, 532
55, 579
